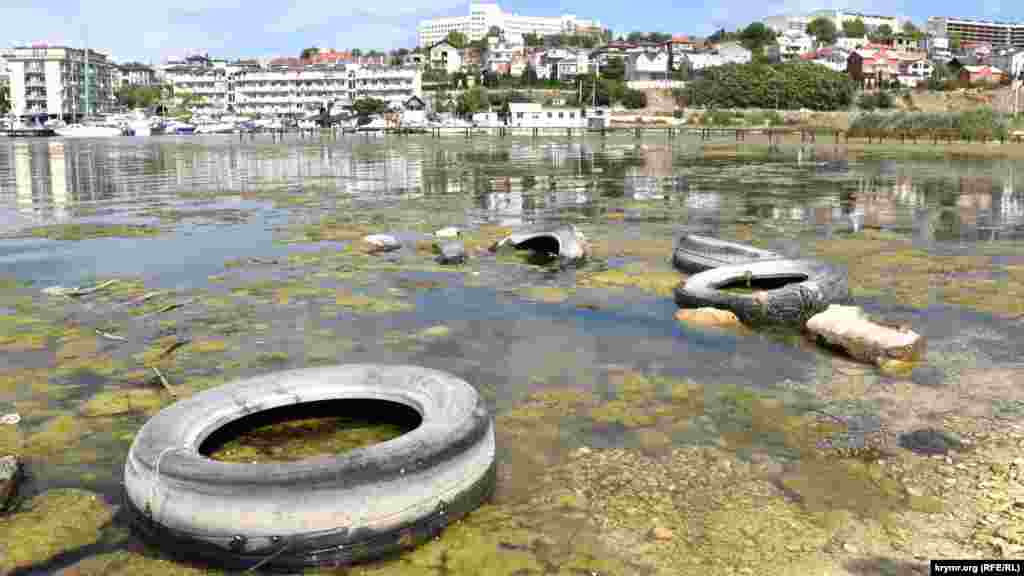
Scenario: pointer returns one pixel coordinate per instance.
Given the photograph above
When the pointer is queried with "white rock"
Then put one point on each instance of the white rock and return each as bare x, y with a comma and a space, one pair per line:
449, 232
384, 241
847, 327
12, 418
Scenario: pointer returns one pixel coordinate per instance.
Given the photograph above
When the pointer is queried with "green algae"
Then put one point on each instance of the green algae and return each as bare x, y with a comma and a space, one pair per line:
886, 265
272, 358
367, 304
282, 293
118, 402
547, 294
76, 232
643, 277
208, 345
296, 440
56, 436
132, 563
49, 524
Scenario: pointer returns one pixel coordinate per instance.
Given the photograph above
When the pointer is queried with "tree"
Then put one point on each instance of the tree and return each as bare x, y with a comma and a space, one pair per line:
634, 99
533, 39
614, 69
494, 31
368, 106
756, 36
823, 30
954, 42
854, 28
792, 85
635, 37
139, 96
470, 101
356, 52
308, 53
490, 79
456, 39
530, 75
607, 35
883, 32
5, 98
913, 31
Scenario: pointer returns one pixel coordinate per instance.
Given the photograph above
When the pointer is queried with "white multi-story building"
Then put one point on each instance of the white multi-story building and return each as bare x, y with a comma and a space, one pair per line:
790, 45
990, 32
483, 16
59, 81
786, 22
285, 90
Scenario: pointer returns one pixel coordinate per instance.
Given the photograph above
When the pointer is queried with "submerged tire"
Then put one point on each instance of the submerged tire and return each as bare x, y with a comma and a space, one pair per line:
806, 287
326, 511
694, 254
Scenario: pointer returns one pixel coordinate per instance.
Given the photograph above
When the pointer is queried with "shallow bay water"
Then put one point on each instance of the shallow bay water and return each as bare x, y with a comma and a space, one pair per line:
237, 257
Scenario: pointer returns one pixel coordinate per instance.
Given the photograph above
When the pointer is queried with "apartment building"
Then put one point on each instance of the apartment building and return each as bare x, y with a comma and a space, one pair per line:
136, 74
995, 33
282, 90
482, 16
59, 81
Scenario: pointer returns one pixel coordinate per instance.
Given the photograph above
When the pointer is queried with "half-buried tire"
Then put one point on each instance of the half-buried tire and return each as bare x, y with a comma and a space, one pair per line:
695, 254
328, 511
782, 291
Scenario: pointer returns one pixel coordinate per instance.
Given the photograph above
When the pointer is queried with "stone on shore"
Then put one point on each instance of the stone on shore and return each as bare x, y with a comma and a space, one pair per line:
848, 328
380, 243
10, 473
453, 252
449, 232
710, 318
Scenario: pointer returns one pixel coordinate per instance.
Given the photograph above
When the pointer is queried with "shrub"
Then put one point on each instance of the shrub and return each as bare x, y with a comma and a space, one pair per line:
756, 85
873, 100
634, 99
972, 124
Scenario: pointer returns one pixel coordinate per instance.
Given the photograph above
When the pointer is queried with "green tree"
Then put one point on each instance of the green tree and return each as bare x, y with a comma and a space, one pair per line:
356, 52
854, 28
823, 30
882, 33
913, 31
494, 31
954, 41
634, 99
530, 75
792, 85
614, 69
532, 39
456, 39
139, 96
470, 101
368, 106
5, 98
607, 35
441, 102
756, 36
308, 53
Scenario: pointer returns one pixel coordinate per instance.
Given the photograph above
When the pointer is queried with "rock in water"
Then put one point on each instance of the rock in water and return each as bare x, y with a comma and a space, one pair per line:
848, 328
381, 243
10, 473
452, 253
710, 318
449, 232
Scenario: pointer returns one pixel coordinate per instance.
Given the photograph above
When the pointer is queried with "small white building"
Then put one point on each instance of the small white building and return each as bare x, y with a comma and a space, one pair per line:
701, 60
1010, 60
444, 56
790, 45
648, 65
533, 115
734, 53
850, 44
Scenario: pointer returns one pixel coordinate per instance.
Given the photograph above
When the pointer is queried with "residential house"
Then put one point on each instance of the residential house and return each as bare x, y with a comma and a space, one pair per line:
565, 63
938, 48
873, 66
975, 53
734, 53
135, 74
789, 46
904, 42
601, 55
981, 74
1011, 61
502, 52
533, 115
444, 56
833, 58
914, 68
650, 65
472, 56
849, 44
699, 61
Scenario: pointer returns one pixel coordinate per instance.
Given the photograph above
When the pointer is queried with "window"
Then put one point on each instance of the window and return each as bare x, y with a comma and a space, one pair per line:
519, 115
549, 115
561, 115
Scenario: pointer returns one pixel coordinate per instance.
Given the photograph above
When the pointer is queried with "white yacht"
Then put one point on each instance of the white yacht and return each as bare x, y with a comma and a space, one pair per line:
89, 131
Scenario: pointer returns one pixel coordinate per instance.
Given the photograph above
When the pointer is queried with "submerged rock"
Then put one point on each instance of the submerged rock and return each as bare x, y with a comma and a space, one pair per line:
453, 252
382, 243
566, 242
449, 232
848, 328
709, 318
929, 441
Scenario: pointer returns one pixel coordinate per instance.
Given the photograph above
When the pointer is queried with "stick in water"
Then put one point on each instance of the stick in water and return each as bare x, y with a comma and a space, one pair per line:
164, 382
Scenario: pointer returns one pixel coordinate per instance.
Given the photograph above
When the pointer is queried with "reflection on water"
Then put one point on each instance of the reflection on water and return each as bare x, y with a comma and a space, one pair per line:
518, 180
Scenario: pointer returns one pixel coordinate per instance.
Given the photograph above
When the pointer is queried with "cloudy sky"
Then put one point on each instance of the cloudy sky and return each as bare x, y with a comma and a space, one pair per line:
154, 30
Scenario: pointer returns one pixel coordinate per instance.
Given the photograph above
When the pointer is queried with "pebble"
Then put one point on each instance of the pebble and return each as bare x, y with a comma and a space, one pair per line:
917, 492
449, 232
12, 418
661, 533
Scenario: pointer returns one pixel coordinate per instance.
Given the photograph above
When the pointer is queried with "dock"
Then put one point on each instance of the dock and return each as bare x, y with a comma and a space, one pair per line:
30, 132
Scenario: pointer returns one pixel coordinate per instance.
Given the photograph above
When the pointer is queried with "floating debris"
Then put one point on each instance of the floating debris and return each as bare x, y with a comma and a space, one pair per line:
449, 232
10, 419
567, 242
76, 291
453, 252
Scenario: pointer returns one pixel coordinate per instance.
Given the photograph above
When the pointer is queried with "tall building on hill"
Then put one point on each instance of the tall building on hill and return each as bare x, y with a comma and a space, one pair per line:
974, 30
483, 16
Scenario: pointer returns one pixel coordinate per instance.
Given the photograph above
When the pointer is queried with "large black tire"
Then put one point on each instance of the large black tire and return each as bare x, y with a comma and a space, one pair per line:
328, 511
696, 254
812, 286
565, 241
